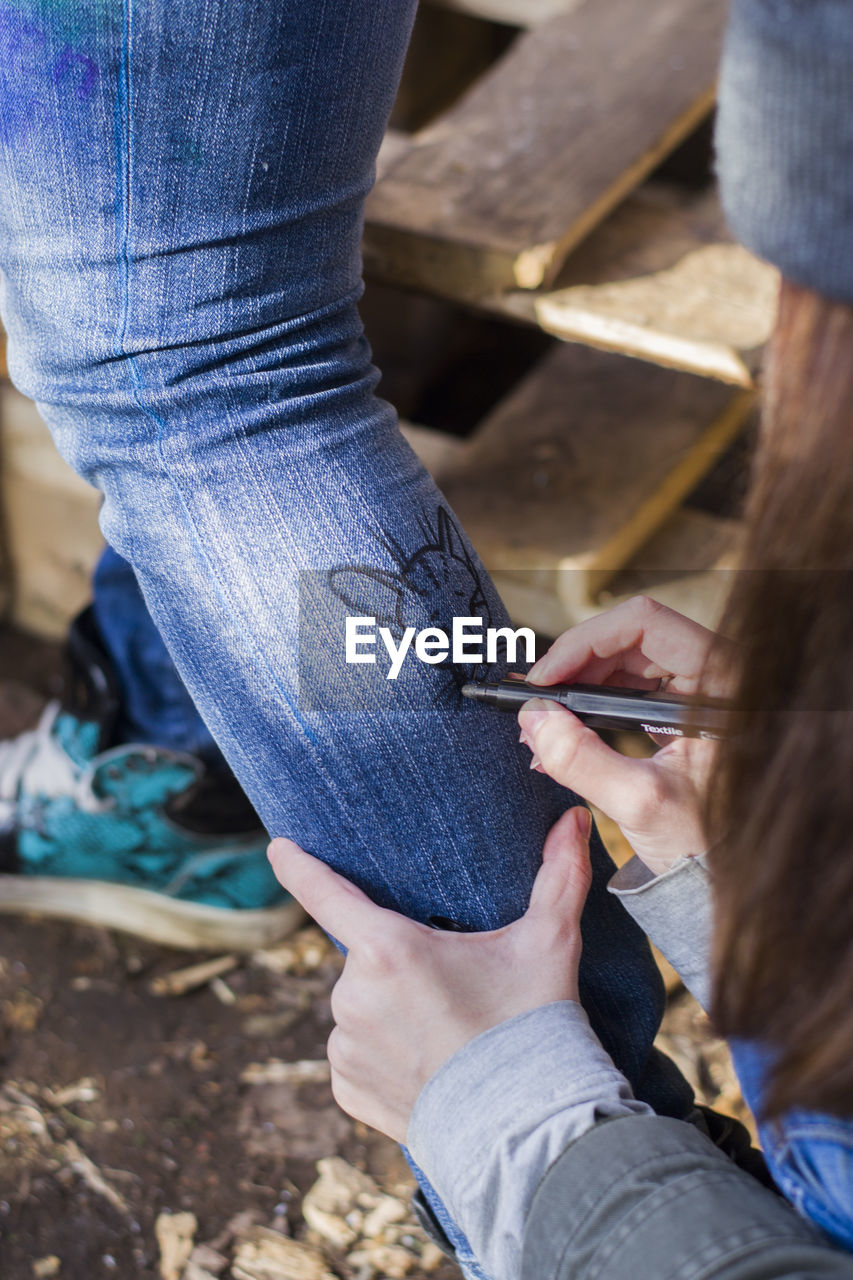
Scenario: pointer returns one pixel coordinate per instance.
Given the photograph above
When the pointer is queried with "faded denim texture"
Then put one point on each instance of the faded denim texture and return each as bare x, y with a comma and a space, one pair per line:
181, 199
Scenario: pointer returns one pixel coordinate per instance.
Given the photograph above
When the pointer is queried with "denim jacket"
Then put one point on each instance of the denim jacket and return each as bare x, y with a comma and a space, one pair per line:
810, 1155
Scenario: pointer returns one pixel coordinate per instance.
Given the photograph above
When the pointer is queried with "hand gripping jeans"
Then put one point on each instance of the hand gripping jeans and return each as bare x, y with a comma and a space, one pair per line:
181, 198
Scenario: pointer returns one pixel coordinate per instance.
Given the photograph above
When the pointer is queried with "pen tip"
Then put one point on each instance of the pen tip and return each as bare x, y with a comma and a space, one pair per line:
472, 691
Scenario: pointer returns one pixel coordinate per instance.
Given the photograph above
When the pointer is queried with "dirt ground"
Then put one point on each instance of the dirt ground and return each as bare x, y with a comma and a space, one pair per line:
122, 1111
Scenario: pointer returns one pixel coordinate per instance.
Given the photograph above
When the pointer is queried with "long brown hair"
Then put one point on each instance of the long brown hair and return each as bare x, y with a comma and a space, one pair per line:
781, 799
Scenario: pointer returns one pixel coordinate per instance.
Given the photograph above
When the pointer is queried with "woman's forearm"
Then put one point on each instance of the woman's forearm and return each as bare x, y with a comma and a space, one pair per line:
492, 1121
675, 910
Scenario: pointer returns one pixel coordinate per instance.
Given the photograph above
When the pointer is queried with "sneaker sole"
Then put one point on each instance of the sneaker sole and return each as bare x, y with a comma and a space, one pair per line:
149, 915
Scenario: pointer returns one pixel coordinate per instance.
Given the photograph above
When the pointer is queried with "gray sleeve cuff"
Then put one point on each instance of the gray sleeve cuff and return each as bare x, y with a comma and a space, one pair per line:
496, 1116
674, 909
785, 137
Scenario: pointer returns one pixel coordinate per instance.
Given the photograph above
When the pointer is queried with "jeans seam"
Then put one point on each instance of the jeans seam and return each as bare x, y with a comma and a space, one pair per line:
123, 147
124, 157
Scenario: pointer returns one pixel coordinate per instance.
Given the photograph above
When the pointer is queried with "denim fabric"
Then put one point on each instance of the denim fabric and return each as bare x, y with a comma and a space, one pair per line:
181, 200
809, 1154
156, 706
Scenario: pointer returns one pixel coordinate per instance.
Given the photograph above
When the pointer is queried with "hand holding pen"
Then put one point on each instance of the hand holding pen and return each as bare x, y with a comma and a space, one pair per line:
656, 802
655, 712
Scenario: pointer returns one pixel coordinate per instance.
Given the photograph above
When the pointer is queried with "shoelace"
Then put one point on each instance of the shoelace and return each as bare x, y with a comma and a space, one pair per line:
36, 761
16, 753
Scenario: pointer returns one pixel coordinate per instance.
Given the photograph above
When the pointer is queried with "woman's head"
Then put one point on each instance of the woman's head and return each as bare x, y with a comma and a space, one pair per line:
781, 802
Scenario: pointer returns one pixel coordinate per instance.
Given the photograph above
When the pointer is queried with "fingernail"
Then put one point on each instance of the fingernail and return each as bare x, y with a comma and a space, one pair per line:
532, 715
535, 762
583, 818
522, 737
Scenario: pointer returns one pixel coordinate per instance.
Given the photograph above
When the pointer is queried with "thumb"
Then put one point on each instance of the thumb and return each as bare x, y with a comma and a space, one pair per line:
338, 906
577, 758
562, 884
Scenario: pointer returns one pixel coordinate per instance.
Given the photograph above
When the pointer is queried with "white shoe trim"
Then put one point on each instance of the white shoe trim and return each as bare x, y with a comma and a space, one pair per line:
150, 915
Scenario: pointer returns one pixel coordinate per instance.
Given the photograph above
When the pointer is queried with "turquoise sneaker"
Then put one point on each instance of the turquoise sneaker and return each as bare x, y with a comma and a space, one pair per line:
130, 836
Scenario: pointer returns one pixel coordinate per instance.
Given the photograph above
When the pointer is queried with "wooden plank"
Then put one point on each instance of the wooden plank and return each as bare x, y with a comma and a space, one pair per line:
694, 555
51, 522
448, 50
661, 279
495, 193
688, 564
439, 451
514, 13
394, 146
579, 466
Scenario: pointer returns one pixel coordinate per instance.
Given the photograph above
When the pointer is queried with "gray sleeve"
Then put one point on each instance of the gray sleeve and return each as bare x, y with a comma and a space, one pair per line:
785, 137
674, 909
493, 1119
648, 1198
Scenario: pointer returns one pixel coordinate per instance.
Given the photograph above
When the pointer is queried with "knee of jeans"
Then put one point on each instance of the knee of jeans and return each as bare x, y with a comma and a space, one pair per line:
164, 376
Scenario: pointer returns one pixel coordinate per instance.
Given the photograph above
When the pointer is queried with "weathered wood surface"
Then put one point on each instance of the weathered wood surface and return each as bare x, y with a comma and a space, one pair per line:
496, 192
688, 564
583, 462
448, 51
51, 522
437, 450
693, 555
660, 279
394, 146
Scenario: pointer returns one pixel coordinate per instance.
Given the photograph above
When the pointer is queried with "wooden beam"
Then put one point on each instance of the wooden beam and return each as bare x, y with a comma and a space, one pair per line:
439, 451
497, 191
688, 565
448, 50
51, 522
661, 279
582, 463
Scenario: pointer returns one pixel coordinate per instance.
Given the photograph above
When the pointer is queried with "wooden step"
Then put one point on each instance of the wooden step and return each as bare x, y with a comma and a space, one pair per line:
582, 463
687, 563
51, 522
448, 51
497, 191
437, 450
661, 279
694, 556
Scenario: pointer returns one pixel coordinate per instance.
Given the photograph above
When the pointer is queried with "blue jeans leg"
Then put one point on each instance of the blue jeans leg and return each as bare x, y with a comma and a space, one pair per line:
156, 706
180, 220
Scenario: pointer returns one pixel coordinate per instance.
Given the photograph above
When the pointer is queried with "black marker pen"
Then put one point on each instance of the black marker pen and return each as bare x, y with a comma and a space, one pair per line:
603, 707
